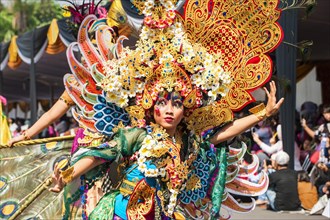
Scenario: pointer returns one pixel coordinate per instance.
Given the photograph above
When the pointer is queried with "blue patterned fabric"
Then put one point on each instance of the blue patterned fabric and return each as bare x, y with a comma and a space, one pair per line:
108, 115
202, 171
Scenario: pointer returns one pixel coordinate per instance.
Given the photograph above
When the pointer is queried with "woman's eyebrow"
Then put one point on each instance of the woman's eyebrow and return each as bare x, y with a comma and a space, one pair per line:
176, 96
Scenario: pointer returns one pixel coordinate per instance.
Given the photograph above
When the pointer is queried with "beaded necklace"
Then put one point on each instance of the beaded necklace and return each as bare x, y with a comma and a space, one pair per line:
170, 171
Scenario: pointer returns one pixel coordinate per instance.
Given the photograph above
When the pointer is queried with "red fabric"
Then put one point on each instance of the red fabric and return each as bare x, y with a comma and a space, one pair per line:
315, 156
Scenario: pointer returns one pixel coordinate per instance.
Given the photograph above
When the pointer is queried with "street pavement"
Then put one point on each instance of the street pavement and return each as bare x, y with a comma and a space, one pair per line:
262, 213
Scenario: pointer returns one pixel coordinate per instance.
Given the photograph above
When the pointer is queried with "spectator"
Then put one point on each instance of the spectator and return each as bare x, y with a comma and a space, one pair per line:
282, 192
268, 169
323, 204
323, 128
320, 175
326, 189
308, 111
307, 191
264, 131
277, 147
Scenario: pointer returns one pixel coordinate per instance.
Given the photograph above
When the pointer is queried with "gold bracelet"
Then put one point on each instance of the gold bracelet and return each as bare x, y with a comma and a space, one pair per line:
66, 99
26, 136
259, 111
67, 175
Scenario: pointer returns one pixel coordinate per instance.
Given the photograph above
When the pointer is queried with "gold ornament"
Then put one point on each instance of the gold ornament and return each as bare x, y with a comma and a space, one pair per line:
259, 111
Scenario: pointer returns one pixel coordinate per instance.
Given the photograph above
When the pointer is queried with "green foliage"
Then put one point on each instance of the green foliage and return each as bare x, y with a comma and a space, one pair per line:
6, 25
24, 15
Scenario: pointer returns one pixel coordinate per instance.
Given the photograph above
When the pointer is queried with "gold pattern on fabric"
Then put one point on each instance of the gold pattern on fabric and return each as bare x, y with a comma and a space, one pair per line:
159, 133
208, 117
141, 201
136, 111
242, 34
127, 187
161, 15
193, 183
165, 152
140, 4
190, 100
90, 139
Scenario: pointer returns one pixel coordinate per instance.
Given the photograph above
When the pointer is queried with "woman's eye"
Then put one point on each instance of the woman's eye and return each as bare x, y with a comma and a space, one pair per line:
178, 104
161, 102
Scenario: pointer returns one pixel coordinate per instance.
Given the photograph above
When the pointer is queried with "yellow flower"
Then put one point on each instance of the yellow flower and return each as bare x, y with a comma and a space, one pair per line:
141, 160
66, 13
145, 152
148, 142
142, 167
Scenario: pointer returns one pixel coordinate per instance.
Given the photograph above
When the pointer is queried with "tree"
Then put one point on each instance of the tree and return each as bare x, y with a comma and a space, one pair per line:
24, 15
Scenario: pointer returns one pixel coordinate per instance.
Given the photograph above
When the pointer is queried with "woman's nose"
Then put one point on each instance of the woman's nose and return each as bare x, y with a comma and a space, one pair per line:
169, 107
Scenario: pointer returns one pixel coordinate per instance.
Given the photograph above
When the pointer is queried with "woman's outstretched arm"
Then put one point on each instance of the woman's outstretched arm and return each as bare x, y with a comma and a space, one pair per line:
81, 167
240, 125
53, 114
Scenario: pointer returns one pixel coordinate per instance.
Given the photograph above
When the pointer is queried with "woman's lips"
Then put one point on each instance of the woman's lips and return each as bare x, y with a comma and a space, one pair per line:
169, 120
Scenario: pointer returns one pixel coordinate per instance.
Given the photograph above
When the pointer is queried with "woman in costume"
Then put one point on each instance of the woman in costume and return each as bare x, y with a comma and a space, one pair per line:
207, 72
160, 163
163, 112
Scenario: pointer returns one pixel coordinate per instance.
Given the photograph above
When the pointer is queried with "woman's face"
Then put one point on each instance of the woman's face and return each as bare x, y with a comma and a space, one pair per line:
168, 111
326, 115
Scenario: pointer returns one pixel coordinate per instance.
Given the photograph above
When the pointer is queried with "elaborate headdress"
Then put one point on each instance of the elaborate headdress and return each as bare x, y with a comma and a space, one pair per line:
214, 55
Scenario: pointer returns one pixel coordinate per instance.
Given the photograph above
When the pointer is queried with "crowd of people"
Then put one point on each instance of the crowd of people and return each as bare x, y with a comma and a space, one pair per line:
66, 125
307, 185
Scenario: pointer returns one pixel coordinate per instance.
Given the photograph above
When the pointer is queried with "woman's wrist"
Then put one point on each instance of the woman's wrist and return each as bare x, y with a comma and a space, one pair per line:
259, 111
26, 135
67, 175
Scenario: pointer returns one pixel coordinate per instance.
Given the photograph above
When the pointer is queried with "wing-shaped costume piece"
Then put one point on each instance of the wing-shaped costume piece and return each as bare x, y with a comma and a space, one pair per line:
243, 32
92, 111
25, 177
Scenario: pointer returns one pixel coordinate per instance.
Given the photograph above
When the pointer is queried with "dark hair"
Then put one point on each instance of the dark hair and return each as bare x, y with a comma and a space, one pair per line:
326, 108
268, 162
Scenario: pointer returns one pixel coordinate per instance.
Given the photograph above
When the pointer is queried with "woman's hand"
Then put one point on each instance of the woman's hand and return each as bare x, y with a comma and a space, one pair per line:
15, 140
255, 137
272, 107
303, 123
272, 140
57, 180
